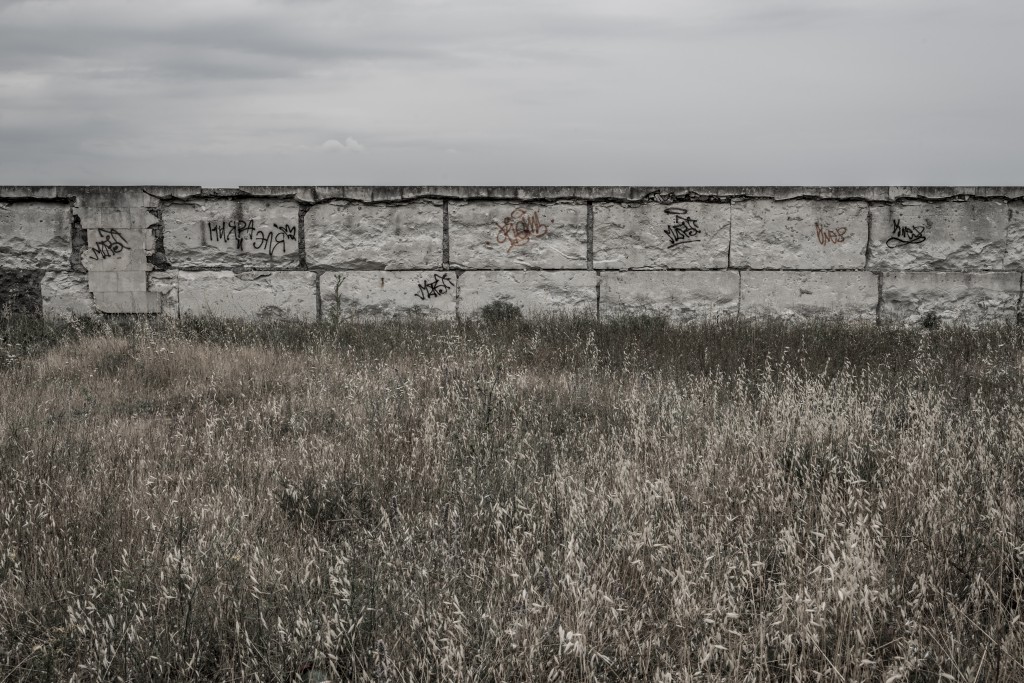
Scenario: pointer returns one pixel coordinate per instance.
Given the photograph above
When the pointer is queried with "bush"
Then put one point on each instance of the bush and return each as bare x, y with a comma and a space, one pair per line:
498, 312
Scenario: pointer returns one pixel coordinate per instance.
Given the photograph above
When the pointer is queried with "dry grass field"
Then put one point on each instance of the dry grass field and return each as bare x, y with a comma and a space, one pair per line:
553, 500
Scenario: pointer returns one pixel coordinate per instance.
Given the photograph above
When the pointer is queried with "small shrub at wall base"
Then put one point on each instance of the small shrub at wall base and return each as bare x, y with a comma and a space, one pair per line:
564, 500
498, 312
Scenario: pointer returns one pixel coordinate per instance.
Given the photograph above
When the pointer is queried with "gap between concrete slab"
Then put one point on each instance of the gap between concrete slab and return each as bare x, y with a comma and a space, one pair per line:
303, 210
590, 235
445, 249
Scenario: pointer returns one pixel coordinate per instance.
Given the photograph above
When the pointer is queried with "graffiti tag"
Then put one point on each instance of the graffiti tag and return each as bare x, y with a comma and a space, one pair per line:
826, 236
440, 285
903, 235
111, 243
519, 227
684, 230
240, 232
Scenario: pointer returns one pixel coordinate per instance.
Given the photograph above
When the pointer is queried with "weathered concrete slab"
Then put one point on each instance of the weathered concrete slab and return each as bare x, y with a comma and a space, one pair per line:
160, 192
66, 295
515, 236
796, 295
528, 193
951, 297
254, 294
127, 302
679, 295
28, 192
117, 281
680, 235
799, 234
35, 235
119, 238
533, 292
165, 284
1014, 259
226, 233
930, 191
390, 293
953, 235
355, 236
110, 197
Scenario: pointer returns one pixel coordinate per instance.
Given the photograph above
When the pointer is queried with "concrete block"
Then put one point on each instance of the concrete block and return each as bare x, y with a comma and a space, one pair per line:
66, 295
116, 250
127, 302
941, 235
255, 294
224, 233
1014, 259
681, 235
533, 292
121, 218
930, 191
679, 295
953, 297
794, 295
35, 235
161, 192
117, 281
799, 234
355, 236
389, 293
516, 236
165, 284
110, 197
28, 192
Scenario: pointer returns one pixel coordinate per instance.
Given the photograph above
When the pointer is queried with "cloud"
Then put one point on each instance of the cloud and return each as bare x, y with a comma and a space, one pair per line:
350, 145
576, 91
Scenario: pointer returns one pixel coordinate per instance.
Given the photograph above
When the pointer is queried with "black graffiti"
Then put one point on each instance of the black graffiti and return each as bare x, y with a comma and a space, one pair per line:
110, 244
905, 234
826, 236
240, 232
684, 230
226, 231
441, 284
289, 231
519, 227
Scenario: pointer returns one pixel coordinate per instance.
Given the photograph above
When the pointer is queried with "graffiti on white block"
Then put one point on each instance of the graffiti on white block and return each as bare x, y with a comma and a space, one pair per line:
439, 285
829, 236
684, 228
239, 233
520, 227
903, 235
111, 243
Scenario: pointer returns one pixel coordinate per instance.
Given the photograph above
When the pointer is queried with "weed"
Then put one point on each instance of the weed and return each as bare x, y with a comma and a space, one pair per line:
555, 499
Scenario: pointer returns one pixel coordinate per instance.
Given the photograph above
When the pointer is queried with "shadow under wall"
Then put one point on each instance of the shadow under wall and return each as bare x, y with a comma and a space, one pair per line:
21, 291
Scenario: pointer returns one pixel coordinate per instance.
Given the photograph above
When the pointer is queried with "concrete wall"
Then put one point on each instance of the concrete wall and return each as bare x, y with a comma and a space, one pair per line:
892, 254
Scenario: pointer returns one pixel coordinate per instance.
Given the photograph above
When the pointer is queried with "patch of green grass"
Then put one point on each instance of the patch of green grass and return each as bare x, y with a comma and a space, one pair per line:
510, 499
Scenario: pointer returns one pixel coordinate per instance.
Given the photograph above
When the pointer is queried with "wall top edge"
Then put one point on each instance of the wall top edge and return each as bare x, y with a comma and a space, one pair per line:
108, 195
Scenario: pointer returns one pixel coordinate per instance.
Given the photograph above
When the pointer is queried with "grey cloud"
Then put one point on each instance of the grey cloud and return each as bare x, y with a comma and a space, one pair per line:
706, 91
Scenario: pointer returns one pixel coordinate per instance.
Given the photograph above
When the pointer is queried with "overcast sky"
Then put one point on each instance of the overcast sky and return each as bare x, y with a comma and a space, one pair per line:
535, 92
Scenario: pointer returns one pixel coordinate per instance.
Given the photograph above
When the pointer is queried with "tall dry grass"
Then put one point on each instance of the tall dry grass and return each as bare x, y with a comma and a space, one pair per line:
545, 500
